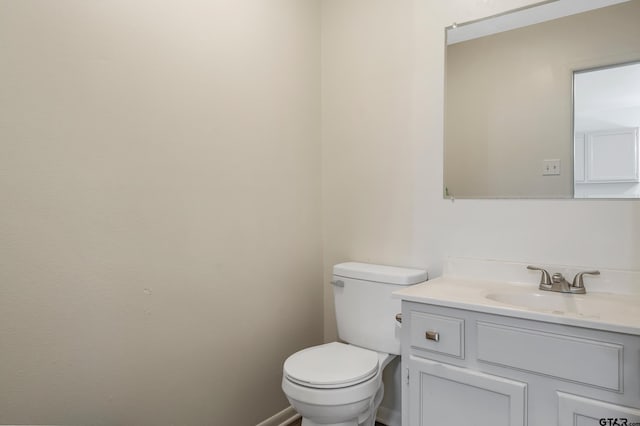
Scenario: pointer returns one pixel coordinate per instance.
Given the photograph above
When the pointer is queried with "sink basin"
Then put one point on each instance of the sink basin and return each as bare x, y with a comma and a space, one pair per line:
591, 305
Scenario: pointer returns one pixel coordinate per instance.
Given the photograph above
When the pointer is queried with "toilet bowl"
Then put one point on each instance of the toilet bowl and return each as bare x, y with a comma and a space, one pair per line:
335, 384
340, 384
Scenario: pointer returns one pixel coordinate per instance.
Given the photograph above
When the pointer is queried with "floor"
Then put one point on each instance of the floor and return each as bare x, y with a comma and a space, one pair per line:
299, 422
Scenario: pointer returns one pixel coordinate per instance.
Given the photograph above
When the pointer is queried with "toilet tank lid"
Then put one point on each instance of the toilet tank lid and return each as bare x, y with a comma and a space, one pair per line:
380, 273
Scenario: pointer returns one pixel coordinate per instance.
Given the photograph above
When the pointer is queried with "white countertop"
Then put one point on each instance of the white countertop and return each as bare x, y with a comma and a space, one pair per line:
602, 311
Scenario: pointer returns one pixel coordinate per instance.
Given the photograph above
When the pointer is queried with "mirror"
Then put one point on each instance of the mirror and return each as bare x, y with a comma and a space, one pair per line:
606, 119
509, 107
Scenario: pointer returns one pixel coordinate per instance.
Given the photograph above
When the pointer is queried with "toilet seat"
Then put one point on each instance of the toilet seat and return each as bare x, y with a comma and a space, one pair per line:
331, 366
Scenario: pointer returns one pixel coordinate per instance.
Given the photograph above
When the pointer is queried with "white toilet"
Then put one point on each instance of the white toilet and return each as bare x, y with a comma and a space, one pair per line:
340, 384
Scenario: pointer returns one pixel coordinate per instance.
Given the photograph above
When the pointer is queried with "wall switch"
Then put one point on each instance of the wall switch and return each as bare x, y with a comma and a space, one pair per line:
550, 167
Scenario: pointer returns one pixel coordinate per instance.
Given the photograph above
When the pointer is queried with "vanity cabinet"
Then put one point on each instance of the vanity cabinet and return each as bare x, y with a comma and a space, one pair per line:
466, 367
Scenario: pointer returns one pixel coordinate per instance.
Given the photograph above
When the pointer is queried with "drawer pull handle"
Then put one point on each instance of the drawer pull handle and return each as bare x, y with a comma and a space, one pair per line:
433, 335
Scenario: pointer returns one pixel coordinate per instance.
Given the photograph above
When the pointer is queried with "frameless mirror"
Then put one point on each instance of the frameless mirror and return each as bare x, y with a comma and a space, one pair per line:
509, 107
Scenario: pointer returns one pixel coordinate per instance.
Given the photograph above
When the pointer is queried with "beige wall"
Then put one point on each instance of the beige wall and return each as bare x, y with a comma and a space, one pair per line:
509, 103
383, 96
160, 179
160, 235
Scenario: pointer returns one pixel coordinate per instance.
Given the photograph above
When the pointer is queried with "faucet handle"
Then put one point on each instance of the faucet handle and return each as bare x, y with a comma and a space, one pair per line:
578, 281
545, 279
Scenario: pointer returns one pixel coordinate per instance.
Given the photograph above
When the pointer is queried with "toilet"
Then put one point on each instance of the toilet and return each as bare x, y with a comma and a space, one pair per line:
340, 384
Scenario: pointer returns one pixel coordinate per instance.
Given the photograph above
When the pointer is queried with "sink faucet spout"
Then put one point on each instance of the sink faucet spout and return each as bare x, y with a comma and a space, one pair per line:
558, 283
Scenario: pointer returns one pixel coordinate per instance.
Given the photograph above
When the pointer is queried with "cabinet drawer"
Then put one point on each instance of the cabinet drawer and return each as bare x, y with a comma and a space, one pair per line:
590, 362
437, 333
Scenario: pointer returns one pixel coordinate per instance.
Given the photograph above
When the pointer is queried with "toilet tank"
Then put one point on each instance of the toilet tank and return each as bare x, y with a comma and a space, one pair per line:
365, 307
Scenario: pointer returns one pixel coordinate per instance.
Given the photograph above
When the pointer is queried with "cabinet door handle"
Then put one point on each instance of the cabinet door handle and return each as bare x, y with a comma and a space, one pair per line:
432, 335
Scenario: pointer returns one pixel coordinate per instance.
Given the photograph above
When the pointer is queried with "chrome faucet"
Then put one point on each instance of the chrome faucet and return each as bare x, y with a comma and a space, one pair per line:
557, 282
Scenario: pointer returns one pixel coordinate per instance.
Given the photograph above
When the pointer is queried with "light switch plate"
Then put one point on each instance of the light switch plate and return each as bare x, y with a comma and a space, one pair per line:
551, 167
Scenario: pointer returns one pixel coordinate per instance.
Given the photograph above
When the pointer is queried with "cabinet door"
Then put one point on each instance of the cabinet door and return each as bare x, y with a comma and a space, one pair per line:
612, 156
578, 411
444, 394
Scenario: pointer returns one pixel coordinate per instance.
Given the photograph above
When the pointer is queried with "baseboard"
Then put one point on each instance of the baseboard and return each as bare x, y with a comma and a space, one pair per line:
388, 417
283, 418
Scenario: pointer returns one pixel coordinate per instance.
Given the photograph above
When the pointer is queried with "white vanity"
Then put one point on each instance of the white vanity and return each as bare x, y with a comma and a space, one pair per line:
492, 352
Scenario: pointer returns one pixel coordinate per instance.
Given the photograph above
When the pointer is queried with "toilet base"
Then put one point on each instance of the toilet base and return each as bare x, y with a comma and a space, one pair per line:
365, 418
307, 422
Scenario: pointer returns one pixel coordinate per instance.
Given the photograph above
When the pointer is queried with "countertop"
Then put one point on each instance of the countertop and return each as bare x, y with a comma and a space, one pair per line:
603, 311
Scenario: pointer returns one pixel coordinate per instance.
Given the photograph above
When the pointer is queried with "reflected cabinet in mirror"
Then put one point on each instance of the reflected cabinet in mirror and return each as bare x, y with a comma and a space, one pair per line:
544, 102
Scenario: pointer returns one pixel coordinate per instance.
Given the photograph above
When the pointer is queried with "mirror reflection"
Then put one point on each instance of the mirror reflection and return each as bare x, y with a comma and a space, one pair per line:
509, 106
606, 121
